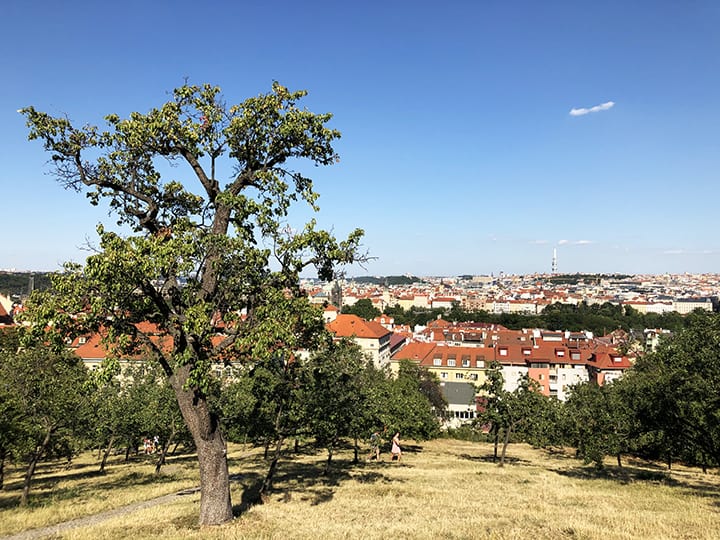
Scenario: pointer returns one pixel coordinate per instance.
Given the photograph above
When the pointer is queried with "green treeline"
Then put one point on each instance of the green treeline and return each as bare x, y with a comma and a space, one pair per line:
597, 318
18, 283
52, 407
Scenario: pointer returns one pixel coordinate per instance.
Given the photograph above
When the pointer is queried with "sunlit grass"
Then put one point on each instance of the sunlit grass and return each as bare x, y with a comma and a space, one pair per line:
443, 489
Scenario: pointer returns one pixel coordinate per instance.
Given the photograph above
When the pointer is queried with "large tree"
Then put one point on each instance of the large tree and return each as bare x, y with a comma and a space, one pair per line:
207, 252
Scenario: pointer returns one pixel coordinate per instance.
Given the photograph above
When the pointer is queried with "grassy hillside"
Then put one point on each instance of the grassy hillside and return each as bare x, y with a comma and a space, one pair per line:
443, 489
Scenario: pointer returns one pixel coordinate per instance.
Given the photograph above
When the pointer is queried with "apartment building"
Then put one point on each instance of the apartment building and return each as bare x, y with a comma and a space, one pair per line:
372, 337
461, 354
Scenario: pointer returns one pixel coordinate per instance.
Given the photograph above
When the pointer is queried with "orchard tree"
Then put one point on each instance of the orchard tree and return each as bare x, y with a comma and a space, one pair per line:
675, 391
407, 405
492, 391
49, 405
206, 253
598, 422
331, 394
524, 411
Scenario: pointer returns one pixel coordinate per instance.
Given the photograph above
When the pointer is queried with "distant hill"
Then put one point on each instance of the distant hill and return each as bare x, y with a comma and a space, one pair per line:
574, 279
387, 280
18, 283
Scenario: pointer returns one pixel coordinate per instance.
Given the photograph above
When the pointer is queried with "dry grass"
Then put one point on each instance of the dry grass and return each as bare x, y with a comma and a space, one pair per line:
443, 489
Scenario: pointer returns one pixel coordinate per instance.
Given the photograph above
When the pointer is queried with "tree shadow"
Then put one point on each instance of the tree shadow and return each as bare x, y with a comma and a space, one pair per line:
645, 474
621, 475
44, 490
307, 481
252, 484
489, 458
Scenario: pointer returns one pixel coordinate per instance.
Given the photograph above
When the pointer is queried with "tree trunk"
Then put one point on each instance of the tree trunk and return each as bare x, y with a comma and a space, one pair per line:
506, 441
163, 452
215, 505
39, 451
496, 429
329, 459
108, 449
357, 451
3, 453
266, 452
127, 451
267, 482
618, 460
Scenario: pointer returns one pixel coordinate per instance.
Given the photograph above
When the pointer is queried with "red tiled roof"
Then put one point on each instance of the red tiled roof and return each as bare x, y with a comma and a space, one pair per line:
5, 317
346, 325
415, 350
609, 360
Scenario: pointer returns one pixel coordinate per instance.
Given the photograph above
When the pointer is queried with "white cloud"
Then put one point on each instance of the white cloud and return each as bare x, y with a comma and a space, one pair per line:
688, 252
597, 108
539, 242
575, 242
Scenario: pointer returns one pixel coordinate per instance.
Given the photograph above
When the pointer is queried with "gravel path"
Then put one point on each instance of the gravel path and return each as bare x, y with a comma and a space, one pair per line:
97, 518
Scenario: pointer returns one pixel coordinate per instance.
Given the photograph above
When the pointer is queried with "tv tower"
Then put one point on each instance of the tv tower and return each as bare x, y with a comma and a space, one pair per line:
554, 261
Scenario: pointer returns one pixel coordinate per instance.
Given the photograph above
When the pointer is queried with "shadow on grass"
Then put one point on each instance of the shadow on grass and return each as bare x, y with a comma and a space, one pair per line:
622, 475
48, 474
646, 474
307, 480
44, 492
489, 458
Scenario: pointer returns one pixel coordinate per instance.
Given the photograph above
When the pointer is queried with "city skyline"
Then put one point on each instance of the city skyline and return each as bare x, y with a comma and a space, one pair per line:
478, 138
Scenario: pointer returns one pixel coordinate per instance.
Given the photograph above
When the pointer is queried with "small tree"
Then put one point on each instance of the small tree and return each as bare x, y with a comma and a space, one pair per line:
200, 249
50, 404
331, 394
521, 411
597, 421
492, 390
406, 405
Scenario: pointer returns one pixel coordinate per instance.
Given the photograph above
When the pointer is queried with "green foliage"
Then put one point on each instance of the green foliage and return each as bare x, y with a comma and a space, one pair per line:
45, 406
388, 280
574, 279
407, 403
9, 338
674, 393
598, 421
208, 245
18, 283
597, 318
331, 393
363, 308
134, 404
523, 414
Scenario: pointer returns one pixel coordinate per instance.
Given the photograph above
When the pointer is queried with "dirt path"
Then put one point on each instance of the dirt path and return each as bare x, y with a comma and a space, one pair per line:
97, 518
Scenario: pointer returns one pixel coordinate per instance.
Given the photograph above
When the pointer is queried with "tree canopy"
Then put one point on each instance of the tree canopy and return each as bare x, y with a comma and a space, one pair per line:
209, 270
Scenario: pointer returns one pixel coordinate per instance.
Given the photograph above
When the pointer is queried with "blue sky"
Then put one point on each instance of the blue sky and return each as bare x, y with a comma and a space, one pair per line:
459, 151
